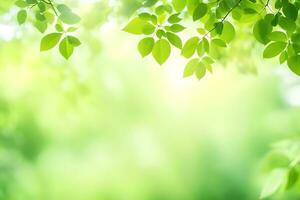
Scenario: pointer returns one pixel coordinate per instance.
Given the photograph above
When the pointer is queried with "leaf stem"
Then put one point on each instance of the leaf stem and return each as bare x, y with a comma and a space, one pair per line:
52, 6
224, 18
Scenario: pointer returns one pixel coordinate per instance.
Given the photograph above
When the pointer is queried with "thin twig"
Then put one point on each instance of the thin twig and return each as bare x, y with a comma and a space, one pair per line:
52, 6
223, 19
265, 6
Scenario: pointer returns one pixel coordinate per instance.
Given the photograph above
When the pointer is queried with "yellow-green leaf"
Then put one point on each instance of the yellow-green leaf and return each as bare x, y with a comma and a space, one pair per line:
161, 51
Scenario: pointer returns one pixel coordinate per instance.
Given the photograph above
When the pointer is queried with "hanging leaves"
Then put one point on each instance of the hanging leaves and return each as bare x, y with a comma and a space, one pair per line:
46, 13
162, 24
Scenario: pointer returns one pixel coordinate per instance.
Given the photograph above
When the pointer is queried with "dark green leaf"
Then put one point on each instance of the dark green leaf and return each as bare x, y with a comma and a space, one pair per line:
261, 31
292, 178
290, 11
200, 11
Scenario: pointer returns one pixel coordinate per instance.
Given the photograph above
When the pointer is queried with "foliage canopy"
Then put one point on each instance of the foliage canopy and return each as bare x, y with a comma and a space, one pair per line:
274, 24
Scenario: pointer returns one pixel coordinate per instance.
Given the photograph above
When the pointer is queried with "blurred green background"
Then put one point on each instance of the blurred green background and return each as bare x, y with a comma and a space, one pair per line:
107, 125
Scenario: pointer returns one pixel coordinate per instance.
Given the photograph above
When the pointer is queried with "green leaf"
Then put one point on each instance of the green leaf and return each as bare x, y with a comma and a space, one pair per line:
162, 9
154, 19
22, 16
176, 28
49, 17
292, 178
63, 8
277, 159
41, 25
40, 16
231, 3
287, 24
160, 33
290, 50
275, 21
201, 31
200, 71
208, 67
190, 47
191, 67
206, 45
50, 41
250, 11
145, 46
72, 29
228, 33
145, 16
136, 26
191, 5
59, 27
219, 27
179, 5
69, 18
261, 31
278, 36
31, 1
148, 29
200, 11
150, 3
21, 3
274, 49
294, 64
290, 11
42, 6
66, 48
273, 183
296, 38
74, 41
161, 51
174, 39
174, 18
296, 48
200, 49
283, 57
278, 4
208, 60
219, 42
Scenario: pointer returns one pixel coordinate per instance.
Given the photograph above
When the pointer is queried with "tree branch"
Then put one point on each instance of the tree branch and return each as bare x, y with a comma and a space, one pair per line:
52, 6
224, 18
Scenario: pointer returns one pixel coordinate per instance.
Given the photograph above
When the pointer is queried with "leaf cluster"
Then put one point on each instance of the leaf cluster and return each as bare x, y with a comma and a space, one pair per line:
274, 25
44, 14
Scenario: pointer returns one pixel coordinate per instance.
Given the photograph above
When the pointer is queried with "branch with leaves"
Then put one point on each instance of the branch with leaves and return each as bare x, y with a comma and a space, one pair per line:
274, 24
162, 23
44, 14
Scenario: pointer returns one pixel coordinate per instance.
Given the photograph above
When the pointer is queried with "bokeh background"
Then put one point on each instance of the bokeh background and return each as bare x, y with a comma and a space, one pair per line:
108, 125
